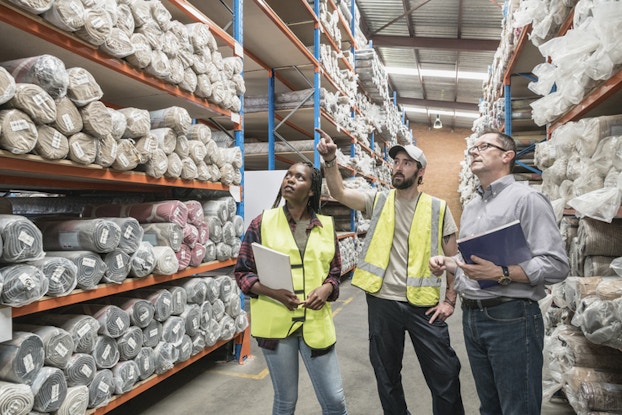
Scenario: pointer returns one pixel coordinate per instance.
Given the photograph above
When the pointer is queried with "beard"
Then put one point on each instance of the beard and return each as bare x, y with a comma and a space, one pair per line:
404, 183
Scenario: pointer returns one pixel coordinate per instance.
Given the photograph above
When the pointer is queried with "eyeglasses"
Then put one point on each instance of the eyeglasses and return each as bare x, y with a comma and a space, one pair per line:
484, 146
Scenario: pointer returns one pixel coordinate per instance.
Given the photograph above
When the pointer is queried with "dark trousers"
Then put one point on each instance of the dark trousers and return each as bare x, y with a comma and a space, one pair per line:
388, 323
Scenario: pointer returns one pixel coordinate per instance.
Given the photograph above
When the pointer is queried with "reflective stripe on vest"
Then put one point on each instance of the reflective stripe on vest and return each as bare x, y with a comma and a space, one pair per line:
270, 318
424, 240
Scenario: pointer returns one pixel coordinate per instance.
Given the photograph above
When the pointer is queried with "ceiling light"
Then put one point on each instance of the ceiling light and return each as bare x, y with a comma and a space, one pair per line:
438, 123
437, 73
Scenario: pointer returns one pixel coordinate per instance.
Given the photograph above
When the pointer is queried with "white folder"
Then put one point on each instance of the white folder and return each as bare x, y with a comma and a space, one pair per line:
273, 268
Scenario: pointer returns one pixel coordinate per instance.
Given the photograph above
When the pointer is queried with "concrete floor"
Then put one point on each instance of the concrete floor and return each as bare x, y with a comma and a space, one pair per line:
212, 387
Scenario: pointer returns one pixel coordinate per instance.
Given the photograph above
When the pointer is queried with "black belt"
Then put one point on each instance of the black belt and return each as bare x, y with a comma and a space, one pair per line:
488, 302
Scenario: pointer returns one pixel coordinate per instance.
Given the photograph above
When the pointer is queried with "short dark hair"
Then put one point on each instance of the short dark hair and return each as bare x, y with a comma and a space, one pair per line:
507, 142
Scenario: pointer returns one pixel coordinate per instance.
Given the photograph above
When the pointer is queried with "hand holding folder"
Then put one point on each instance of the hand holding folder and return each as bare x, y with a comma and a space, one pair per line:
273, 268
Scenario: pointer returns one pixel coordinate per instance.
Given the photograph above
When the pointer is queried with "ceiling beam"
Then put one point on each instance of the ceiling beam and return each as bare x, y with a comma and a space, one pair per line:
435, 43
461, 106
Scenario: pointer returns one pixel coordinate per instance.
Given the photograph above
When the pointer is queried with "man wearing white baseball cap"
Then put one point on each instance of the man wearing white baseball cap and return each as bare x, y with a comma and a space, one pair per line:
407, 228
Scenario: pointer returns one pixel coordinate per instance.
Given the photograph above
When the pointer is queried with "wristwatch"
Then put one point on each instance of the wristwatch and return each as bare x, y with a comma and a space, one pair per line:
505, 278
331, 163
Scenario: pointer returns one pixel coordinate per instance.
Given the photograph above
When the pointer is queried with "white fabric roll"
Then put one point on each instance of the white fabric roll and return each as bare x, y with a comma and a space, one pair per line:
76, 402
119, 123
22, 284
241, 322
125, 20
18, 133
188, 169
166, 260
174, 167
176, 118
7, 86
131, 233
118, 43
127, 156
141, 58
163, 234
34, 7
80, 369
181, 147
157, 165
57, 343
49, 388
143, 261
138, 122
67, 15
166, 139
15, 398
21, 357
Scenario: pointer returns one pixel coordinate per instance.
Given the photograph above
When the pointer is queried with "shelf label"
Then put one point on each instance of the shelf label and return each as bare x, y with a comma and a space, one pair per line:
238, 50
235, 117
235, 191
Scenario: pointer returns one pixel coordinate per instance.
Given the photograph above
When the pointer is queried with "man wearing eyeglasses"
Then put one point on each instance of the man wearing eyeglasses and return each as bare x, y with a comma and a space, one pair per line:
503, 327
407, 227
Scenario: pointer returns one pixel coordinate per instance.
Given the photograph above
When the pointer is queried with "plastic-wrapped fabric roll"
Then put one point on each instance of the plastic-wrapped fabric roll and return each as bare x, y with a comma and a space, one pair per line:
212, 334
166, 354
181, 147
57, 343
125, 375
7, 86
107, 151
91, 267
83, 88
152, 334
196, 288
106, 352
97, 235
185, 348
173, 329
198, 342
228, 233
34, 7
157, 165
223, 251
15, 398
174, 166
68, 119
226, 287
197, 150
238, 225
67, 15
130, 343
143, 261
174, 117
190, 81
160, 298
119, 123
235, 248
131, 233
139, 310
191, 235
143, 53
165, 211
145, 361
183, 257
125, 20
96, 119
213, 289
22, 284
215, 228
166, 260
203, 233
199, 132
196, 255
46, 71
233, 307
179, 299
210, 251
192, 318
145, 146
218, 208
117, 266
206, 314
118, 44
22, 240
82, 328
76, 402
83, 148
49, 388
241, 322
160, 65
97, 26
51, 144
227, 326
166, 139
35, 102
21, 357
138, 122
203, 172
101, 388
113, 321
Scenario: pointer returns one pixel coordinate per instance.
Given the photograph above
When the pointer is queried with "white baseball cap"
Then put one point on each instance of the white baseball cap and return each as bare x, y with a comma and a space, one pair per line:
413, 152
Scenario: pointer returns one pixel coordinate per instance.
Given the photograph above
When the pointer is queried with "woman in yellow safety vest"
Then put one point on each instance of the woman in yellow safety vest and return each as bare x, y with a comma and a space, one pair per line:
288, 322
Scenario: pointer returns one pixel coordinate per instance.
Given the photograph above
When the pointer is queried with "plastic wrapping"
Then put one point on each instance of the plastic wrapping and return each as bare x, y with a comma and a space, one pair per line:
57, 343
76, 402
125, 374
164, 234
18, 133
67, 15
91, 267
143, 261
7, 86
97, 235
139, 310
166, 260
145, 361
45, 71
21, 358
152, 334
160, 298
101, 388
22, 284
166, 355
15, 398
83, 88
82, 328
601, 204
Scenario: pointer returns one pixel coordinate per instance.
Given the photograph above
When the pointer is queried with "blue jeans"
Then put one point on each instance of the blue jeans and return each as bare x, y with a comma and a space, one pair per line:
504, 344
388, 323
323, 371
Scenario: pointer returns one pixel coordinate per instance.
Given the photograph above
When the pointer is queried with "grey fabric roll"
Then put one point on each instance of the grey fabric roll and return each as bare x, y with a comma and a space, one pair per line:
106, 352
213, 289
241, 322
196, 289
101, 388
218, 208
139, 310
138, 122
67, 15
198, 342
18, 133
80, 369
215, 228
130, 343
76, 402
210, 251
179, 299
173, 117
238, 225
233, 307
68, 119
152, 334
131, 233
96, 119
192, 318
223, 251
46, 71
113, 321
91, 267
49, 389
212, 334
206, 314
35, 102
184, 348
22, 284
22, 240
83, 148
83, 88
15, 398
166, 354
227, 287
7, 86
57, 343
160, 298
117, 266
51, 144
97, 26
145, 361
21, 357
143, 261
173, 329
163, 234
218, 309
125, 374
227, 328
82, 328
97, 235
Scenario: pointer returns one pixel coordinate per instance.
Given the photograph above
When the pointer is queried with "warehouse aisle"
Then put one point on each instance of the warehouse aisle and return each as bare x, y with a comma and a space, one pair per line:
211, 387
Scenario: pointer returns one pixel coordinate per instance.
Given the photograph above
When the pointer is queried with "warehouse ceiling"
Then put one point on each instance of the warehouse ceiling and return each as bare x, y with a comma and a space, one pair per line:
456, 37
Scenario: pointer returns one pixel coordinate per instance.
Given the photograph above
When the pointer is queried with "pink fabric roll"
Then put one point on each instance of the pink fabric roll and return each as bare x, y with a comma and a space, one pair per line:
157, 212
183, 257
197, 254
195, 212
191, 235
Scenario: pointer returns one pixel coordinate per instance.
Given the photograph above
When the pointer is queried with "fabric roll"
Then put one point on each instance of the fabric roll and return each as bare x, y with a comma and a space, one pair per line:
113, 321
233, 156
174, 167
166, 354
213, 289
139, 310
138, 122
212, 334
196, 289
188, 169
218, 309
235, 248
238, 225
7, 86
166, 139
97, 235
57, 343
228, 233
203, 233
213, 154
127, 157
83, 88
161, 299
80, 369
200, 132
67, 15
176, 74
82, 328
192, 319
176, 118
21, 357
185, 348
91, 267
15, 398
130, 343
164, 211
183, 257
125, 20
119, 123
83, 148
600, 238
227, 286
597, 265
241, 322
152, 334
154, 36
227, 328
106, 352
223, 251
157, 165
190, 80
125, 375
166, 260
101, 388
210, 251
34, 7
160, 65
35, 102
214, 224
179, 299
196, 255
117, 266
96, 119
214, 172
198, 342
204, 85
143, 261
107, 149
206, 314
49, 389
218, 208
164, 234
18, 133
173, 329
145, 146
131, 233
21, 240
97, 26
45, 71
197, 150
68, 119
145, 361
203, 172
181, 147
227, 174
51, 144
233, 307
22, 284
141, 58
76, 402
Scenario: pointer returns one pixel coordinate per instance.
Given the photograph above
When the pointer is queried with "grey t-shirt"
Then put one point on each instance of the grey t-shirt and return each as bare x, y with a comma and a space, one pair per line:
394, 284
